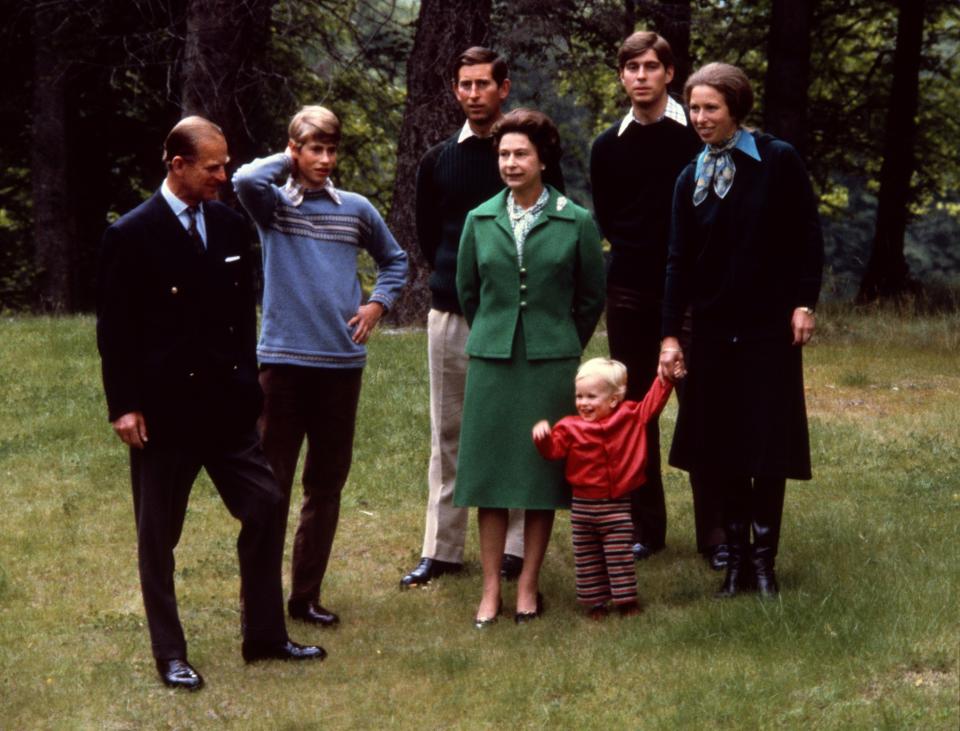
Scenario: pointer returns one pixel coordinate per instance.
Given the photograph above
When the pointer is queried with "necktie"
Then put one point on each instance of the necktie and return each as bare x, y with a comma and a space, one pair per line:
193, 231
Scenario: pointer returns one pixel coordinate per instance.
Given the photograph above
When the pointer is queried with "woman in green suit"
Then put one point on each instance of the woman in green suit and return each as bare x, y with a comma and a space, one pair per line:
531, 283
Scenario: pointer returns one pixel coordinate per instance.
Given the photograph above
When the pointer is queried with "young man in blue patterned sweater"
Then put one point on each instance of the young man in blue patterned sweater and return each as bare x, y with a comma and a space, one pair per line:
314, 328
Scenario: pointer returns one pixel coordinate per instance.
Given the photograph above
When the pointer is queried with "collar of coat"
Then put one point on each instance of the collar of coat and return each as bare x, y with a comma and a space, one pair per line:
558, 206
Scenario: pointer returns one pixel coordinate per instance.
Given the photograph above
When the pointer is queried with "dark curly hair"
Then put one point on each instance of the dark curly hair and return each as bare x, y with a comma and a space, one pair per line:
539, 129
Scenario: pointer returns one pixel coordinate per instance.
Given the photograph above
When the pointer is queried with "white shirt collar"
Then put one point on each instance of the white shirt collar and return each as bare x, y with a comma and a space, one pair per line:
294, 191
179, 209
673, 111
176, 205
466, 132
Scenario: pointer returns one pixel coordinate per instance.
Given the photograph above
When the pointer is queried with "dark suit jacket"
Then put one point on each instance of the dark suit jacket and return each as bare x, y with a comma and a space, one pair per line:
176, 329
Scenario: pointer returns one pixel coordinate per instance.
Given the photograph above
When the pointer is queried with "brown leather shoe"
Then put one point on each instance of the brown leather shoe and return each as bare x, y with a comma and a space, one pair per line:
312, 612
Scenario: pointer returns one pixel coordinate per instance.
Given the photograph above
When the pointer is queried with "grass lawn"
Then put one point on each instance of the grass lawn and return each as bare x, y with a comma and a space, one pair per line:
864, 635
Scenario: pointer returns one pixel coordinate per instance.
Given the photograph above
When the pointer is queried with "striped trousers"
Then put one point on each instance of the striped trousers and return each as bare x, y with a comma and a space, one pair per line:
602, 536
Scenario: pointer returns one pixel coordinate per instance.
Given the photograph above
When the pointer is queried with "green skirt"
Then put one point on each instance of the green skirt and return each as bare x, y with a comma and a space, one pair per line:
498, 465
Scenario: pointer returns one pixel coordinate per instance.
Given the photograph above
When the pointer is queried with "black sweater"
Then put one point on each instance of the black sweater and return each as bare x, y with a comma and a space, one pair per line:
632, 176
454, 178
747, 261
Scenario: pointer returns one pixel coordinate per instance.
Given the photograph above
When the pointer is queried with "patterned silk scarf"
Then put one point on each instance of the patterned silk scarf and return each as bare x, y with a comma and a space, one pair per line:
522, 220
718, 169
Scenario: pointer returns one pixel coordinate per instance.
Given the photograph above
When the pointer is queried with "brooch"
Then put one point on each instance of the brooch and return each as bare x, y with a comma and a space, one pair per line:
561, 203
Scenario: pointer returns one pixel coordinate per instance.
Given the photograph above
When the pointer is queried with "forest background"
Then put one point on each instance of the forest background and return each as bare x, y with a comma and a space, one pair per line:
867, 90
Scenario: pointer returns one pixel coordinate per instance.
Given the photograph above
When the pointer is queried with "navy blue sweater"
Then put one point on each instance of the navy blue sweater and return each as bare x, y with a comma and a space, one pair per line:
632, 176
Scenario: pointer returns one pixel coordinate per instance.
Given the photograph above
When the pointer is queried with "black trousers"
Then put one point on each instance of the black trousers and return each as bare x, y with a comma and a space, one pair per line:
756, 504
162, 474
633, 333
319, 404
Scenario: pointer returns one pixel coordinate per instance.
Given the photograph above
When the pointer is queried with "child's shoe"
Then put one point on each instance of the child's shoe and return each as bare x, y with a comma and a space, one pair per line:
598, 612
629, 609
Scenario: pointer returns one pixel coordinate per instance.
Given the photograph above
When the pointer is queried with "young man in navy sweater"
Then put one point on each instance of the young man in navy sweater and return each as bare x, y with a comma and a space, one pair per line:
634, 166
311, 347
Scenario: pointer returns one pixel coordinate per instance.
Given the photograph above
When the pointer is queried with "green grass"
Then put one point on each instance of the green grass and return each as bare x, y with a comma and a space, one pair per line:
865, 634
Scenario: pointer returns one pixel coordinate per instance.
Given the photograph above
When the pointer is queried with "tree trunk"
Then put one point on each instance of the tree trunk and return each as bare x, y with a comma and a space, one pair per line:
445, 28
887, 275
223, 37
52, 228
629, 17
673, 23
788, 72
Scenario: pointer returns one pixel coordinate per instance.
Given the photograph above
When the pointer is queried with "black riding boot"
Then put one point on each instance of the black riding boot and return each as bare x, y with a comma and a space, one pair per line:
736, 520
767, 512
737, 577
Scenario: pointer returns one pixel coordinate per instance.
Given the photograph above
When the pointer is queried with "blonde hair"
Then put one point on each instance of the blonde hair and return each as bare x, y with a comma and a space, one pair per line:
314, 123
612, 372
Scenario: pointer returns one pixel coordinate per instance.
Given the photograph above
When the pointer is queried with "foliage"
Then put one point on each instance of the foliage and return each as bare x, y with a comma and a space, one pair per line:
865, 634
849, 94
350, 57
123, 60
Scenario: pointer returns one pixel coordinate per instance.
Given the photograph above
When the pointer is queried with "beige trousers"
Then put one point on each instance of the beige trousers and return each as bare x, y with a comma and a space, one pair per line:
446, 526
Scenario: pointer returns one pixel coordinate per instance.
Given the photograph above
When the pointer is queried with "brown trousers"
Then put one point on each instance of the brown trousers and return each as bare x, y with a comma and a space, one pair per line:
319, 404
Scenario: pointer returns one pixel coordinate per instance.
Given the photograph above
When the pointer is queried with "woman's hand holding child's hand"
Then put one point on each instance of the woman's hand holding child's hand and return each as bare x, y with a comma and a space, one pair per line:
541, 430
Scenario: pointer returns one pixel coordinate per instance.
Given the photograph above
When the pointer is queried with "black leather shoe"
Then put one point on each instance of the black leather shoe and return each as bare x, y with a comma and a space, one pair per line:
510, 567
641, 551
524, 617
178, 673
428, 569
483, 622
717, 556
312, 612
253, 651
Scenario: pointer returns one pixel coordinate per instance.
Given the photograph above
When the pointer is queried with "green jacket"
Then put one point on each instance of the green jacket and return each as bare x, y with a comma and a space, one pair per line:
558, 294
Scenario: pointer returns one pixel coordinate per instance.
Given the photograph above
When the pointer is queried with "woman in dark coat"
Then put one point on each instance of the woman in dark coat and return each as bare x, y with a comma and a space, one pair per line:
531, 283
746, 252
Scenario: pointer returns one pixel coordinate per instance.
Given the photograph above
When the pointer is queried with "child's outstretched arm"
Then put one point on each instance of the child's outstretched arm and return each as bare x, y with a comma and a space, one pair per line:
552, 443
655, 400
541, 430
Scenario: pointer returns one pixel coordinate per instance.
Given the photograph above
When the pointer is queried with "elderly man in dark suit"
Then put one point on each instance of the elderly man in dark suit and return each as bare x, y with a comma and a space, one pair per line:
176, 327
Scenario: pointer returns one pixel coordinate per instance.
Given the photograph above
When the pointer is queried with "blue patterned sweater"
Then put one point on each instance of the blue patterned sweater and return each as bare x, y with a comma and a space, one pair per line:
310, 253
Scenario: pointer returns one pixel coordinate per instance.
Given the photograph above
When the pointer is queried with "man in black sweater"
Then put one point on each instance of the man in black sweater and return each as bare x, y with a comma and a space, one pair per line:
454, 177
634, 165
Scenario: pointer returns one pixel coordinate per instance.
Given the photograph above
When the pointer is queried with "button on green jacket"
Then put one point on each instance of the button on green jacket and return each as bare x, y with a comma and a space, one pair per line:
558, 293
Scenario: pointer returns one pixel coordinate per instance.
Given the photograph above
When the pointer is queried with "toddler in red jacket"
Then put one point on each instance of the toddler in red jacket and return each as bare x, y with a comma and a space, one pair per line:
605, 448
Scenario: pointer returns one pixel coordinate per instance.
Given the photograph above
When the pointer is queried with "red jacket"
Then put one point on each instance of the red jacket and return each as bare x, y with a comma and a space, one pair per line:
607, 459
